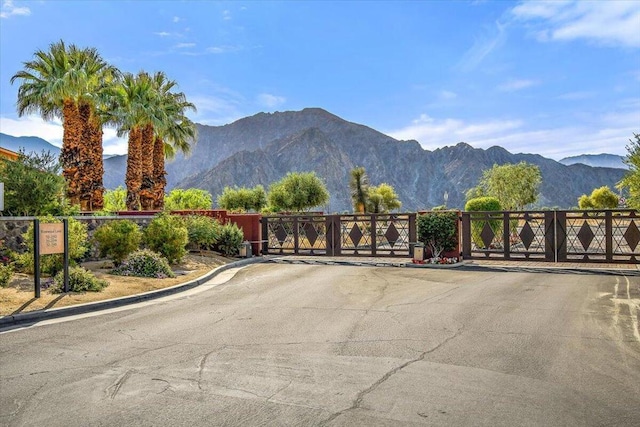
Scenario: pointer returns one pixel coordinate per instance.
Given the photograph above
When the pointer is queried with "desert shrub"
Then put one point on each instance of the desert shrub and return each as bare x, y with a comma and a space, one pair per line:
167, 235
51, 264
483, 204
203, 231
144, 263
80, 280
6, 273
438, 231
117, 239
230, 239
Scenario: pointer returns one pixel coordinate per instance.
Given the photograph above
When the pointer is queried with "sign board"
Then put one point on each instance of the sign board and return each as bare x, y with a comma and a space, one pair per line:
51, 238
1, 196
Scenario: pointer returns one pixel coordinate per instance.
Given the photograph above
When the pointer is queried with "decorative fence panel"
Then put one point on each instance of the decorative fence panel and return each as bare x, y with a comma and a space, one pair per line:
353, 235
552, 236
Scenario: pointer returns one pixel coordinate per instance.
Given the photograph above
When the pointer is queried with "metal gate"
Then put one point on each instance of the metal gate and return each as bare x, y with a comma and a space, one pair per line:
389, 235
552, 236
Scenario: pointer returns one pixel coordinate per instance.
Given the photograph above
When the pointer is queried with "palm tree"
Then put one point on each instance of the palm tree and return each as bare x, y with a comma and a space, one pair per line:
67, 82
359, 185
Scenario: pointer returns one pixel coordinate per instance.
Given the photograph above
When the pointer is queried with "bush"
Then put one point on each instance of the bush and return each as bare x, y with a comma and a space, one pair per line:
203, 231
51, 264
167, 235
483, 204
80, 280
438, 231
230, 239
6, 272
117, 239
144, 263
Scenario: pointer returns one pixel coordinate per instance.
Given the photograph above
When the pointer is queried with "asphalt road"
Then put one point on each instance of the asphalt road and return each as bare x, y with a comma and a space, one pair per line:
341, 346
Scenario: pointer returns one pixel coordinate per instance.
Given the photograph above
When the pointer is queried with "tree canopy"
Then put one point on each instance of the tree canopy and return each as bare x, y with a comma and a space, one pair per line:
514, 185
297, 192
243, 199
189, 199
600, 198
631, 180
33, 185
382, 199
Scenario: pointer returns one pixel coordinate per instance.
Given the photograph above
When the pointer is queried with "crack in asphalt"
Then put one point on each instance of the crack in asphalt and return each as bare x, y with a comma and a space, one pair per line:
357, 402
113, 389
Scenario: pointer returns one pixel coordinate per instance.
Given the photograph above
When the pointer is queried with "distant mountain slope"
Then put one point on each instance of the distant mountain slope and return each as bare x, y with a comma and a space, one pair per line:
420, 177
597, 160
28, 143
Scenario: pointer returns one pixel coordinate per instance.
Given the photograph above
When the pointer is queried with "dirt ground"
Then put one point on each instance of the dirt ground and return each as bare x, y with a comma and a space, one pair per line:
18, 297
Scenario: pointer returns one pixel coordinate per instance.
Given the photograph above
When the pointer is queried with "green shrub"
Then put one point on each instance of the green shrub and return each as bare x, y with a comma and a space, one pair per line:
117, 239
144, 263
51, 264
203, 231
167, 235
483, 204
6, 272
80, 280
438, 231
230, 239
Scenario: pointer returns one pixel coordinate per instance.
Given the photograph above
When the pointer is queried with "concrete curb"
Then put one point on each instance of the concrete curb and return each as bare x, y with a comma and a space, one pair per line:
38, 315
351, 262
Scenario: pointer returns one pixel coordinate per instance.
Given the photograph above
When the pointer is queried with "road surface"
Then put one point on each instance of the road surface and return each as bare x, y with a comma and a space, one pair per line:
340, 346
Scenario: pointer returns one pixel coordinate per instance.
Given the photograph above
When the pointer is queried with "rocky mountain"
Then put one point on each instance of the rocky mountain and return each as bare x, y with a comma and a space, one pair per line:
597, 160
262, 148
315, 140
29, 144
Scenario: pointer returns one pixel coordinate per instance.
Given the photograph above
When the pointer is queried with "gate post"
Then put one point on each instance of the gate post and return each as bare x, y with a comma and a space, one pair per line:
506, 235
374, 234
608, 233
337, 235
296, 237
265, 235
466, 234
561, 236
413, 234
328, 226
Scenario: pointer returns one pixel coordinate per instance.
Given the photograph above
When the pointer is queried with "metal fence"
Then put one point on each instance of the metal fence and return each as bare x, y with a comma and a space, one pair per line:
354, 235
552, 236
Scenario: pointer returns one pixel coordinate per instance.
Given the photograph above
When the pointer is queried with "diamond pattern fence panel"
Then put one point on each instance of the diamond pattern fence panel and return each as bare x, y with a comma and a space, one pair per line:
553, 236
349, 235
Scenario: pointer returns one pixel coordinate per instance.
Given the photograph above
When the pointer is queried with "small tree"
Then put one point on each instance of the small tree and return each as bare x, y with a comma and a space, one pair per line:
515, 186
601, 198
115, 200
438, 231
382, 199
243, 199
189, 199
483, 204
298, 192
33, 185
359, 186
631, 180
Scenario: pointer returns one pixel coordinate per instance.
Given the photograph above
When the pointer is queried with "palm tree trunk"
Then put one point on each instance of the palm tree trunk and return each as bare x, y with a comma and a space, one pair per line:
159, 173
133, 177
70, 153
97, 169
146, 188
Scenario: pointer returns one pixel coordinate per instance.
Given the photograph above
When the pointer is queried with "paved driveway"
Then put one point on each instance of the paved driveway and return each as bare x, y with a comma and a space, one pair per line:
336, 345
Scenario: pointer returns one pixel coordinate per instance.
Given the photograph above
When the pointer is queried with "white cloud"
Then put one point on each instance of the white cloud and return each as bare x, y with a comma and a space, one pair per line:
270, 101
611, 23
483, 47
226, 15
576, 96
176, 19
9, 9
162, 34
447, 95
607, 134
515, 85
185, 45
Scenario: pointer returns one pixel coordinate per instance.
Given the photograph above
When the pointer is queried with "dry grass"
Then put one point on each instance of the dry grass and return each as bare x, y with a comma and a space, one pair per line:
18, 297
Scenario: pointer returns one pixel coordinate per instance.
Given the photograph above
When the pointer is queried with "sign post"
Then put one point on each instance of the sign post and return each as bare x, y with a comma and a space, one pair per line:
50, 238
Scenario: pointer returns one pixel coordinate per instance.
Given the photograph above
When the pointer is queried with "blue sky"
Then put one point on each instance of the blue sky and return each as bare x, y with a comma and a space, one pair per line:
553, 78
